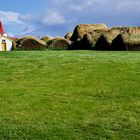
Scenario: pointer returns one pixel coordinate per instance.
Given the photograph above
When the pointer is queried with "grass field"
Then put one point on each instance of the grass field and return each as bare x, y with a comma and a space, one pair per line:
69, 95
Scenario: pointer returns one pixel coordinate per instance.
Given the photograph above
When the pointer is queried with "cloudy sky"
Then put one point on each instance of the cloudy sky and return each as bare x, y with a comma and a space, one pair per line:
57, 17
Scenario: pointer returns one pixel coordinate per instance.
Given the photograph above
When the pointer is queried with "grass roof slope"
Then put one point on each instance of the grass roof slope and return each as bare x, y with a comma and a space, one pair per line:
29, 43
83, 29
128, 39
59, 43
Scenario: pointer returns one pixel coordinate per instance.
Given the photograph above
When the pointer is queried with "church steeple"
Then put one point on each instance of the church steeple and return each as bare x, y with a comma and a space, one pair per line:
2, 32
1, 28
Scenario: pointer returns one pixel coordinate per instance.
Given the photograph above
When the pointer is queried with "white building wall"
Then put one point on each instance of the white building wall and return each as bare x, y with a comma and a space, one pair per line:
8, 43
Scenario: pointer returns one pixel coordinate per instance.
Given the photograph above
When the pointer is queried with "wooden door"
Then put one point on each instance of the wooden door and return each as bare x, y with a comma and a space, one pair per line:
3, 44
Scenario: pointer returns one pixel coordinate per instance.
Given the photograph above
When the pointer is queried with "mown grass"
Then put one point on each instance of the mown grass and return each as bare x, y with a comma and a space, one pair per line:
69, 95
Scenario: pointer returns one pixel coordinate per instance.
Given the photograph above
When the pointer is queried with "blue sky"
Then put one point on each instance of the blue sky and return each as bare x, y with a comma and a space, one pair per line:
57, 17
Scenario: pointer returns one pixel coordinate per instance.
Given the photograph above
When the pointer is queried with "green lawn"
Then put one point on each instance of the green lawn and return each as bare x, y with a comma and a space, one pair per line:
69, 95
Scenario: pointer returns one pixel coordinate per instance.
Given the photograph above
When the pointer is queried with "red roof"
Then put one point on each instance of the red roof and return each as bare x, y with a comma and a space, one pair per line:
1, 28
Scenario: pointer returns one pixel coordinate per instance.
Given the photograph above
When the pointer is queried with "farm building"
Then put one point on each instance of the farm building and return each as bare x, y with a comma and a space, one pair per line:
105, 40
83, 29
5, 42
89, 40
128, 40
125, 41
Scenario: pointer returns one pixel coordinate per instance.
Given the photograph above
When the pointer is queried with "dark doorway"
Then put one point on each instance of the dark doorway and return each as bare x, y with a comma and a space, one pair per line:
118, 44
102, 44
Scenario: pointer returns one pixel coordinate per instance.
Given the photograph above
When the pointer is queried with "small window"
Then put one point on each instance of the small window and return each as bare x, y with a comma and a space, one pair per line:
3, 41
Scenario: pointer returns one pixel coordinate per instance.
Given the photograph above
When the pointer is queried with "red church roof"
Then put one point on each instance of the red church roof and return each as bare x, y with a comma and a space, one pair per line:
1, 28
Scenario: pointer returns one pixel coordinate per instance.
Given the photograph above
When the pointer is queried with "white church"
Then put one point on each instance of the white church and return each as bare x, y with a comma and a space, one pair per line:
5, 41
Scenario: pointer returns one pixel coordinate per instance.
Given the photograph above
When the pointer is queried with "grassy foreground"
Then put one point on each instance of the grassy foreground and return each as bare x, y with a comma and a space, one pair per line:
69, 95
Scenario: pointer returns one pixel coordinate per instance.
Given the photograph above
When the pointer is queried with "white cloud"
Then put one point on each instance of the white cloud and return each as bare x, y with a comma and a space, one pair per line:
53, 18
27, 17
79, 7
129, 6
10, 17
26, 22
28, 29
